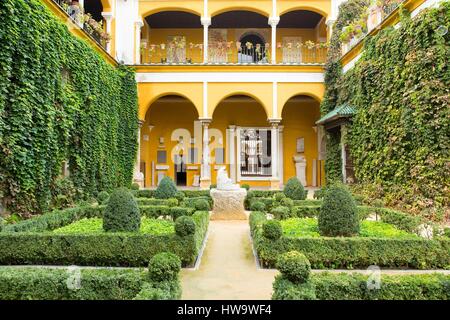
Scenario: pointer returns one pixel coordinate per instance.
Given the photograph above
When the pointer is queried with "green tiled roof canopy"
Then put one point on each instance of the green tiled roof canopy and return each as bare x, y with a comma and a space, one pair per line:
343, 111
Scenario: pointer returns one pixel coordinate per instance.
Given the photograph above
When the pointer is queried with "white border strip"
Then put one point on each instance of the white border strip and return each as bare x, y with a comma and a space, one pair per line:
171, 77
352, 63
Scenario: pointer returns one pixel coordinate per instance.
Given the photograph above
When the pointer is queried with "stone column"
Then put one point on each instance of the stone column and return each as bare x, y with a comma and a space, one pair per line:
273, 22
231, 154
138, 175
205, 178
280, 154
275, 180
108, 16
139, 25
206, 22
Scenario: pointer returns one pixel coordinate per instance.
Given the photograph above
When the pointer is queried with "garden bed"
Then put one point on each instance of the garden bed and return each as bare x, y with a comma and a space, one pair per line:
38, 240
344, 286
403, 251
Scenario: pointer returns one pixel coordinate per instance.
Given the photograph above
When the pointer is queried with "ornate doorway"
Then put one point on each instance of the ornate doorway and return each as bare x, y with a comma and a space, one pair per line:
255, 152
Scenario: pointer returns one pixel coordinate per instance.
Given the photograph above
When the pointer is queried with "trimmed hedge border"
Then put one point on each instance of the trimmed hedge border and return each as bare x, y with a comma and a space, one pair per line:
106, 249
25, 283
150, 193
352, 252
342, 286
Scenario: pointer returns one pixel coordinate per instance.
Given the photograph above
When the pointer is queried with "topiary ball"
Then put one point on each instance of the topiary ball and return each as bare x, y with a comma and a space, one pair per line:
135, 186
122, 212
294, 189
294, 266
184, 226
103, 197
166, 189
201, 205
258, 206
272, 230
281, 212
164, 266
338, 214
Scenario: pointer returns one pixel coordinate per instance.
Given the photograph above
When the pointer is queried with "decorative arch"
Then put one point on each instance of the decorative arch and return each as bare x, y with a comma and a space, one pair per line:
149, 93
315, 9
286, 91
106, 5
255, 9
260, 92
182, 8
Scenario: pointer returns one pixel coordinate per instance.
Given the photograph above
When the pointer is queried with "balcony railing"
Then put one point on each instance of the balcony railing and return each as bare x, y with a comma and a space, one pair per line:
376, 14
85, 21
231, 53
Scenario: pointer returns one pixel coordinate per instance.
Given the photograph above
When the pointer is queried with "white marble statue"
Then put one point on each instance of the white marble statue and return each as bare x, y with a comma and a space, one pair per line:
225, 183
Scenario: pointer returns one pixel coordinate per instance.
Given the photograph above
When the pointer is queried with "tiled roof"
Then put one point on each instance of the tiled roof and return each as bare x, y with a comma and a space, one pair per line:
343, 111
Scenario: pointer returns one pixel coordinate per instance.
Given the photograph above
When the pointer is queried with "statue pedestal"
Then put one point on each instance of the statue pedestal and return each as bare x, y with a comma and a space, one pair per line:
300, 169
228, 204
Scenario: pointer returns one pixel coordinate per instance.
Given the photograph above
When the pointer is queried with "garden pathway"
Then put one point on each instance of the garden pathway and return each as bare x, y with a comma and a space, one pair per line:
228, 269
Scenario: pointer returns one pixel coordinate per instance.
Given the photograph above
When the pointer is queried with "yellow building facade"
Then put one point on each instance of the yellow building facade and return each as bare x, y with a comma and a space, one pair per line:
234, 84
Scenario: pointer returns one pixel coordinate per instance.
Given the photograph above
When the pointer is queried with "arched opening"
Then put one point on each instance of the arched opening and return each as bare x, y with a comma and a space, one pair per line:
168, 141
239, 37
301, 37
243, 144
172, 37
300, 140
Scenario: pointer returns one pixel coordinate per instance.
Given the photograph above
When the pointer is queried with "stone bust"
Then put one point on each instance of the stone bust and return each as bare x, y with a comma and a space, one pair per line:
223, 182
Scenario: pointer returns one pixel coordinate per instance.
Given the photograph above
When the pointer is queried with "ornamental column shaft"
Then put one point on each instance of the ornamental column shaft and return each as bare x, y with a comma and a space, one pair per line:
139, 25
108, 16
273, 22
206, 22
205, 174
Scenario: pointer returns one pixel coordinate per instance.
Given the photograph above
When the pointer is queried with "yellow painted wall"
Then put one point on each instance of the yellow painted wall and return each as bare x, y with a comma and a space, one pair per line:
166, 117
298, 119
149, 7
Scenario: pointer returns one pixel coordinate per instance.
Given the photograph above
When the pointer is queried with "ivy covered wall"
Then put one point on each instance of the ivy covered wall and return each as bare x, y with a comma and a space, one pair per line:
399, 137
59, 101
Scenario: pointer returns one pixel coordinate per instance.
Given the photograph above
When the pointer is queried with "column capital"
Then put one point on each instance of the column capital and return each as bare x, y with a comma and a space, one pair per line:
232, 127
330, 22
273, 21
108, 16
141, 123
205, 121
139, 23
205, 21
274, 122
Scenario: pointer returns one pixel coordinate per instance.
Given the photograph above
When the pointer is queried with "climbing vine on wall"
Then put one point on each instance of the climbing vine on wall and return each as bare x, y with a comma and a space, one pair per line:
399, 137
59, 101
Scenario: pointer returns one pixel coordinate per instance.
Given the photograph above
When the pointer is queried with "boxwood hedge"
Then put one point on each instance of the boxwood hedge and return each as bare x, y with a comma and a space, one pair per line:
343, 286
353, 252
25, 283
106, 249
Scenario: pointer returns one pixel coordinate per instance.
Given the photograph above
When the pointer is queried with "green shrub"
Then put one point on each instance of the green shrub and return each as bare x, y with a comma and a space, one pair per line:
165, 290
307, 202
279, 196
135, 186
281, 212
272, 230
202, 205
172, 202
64, 193
179, 195
246, 186
184, 226
155, 211
166, 189
287, 202
176, 212
338, 213
122, 212
190, 202
283, 289
258, 206
294, 189
212, 186
399, 219
294, 266
143, 193
164, 266
103, 197
305, 211
447, 232
268, 202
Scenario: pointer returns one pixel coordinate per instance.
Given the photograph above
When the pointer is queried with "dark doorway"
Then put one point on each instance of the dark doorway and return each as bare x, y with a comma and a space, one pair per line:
180, 171
252, 49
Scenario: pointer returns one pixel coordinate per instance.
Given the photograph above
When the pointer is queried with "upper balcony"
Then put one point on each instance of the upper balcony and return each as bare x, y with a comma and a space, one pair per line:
235, 37
87, 15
